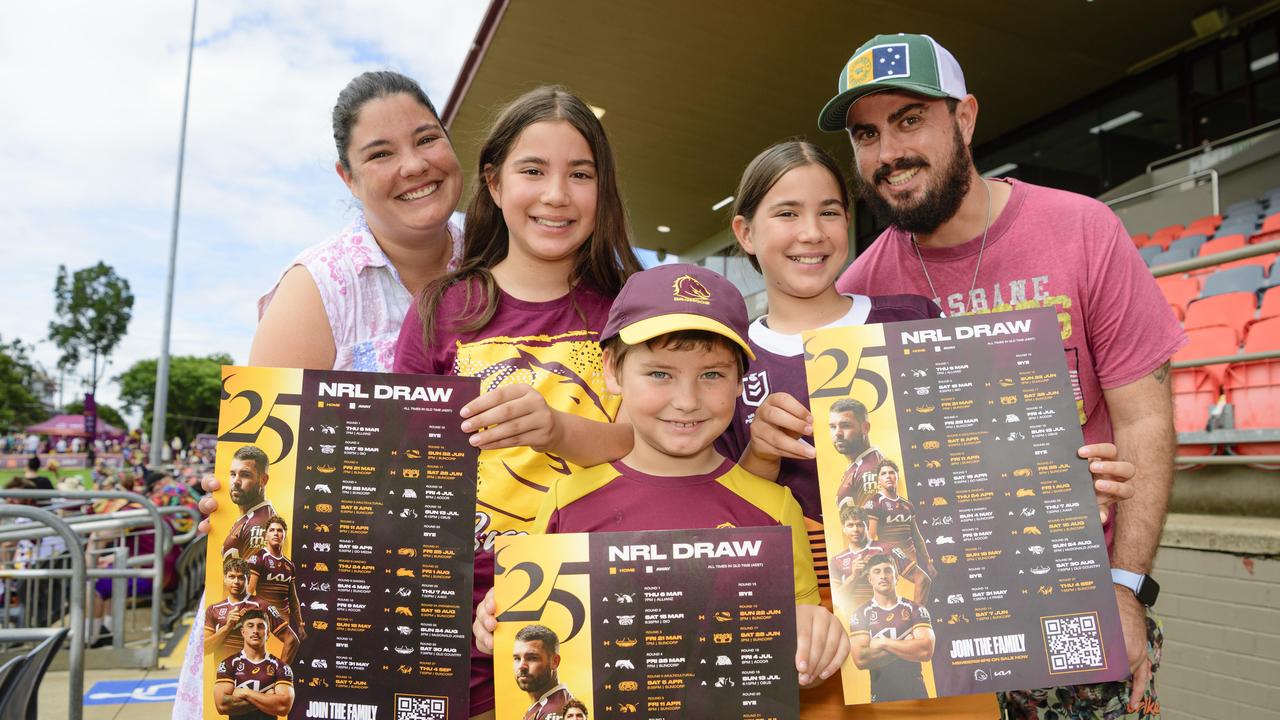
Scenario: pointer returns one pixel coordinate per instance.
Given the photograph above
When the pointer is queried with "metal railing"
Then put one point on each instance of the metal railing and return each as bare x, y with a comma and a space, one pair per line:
1213, 145
125, 566
77, 575
1213, 184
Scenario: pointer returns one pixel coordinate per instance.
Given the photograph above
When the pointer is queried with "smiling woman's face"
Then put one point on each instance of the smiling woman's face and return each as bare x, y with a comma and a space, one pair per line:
402, 169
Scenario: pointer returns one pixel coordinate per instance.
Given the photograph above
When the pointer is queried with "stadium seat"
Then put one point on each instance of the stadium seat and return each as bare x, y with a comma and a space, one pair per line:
1247, 279
1179, 290
1140, 239
1165, 235
1264, 237
1271, 224
1148, 253
20, 702
1232, 310
1244, 207
1253, 388
1190, 242
1217, 245
1171, 256
1197, 389
1270, 306
1205, 225
1262, 261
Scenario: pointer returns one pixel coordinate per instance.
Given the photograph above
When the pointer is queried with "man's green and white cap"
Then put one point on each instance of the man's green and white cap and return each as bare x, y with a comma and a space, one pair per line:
914, 63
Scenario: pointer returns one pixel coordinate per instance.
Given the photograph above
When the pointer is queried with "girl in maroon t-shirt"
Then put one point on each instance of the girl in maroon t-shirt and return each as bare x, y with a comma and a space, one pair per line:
545, 250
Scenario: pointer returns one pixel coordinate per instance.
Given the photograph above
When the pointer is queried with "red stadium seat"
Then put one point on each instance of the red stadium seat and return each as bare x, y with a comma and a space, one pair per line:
1230, 242
1263, 261
1197, 389
1232, 310
1265, 237
1140, 239
1271, 224
1165, 234
1177, 311
1205, 225
1179, 290
1253, 388
1270, 304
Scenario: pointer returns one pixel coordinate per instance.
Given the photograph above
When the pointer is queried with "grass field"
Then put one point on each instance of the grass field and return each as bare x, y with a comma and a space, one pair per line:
6, 474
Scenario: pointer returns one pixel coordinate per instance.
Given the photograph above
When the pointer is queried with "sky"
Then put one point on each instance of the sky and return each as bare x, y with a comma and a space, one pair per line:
93, 98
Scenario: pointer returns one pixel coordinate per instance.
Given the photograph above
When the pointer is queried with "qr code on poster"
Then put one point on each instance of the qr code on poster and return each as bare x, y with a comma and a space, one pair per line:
421, 707
1073, 643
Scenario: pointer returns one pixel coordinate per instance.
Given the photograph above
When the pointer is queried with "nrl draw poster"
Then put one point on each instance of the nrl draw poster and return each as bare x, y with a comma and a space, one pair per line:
966, 550
340, 558
656, 625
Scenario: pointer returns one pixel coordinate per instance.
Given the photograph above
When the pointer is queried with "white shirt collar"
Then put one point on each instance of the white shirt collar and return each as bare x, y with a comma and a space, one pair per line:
792, 345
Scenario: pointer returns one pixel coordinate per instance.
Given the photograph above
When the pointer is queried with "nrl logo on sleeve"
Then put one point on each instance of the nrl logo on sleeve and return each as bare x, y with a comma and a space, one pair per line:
755, 388
686, 288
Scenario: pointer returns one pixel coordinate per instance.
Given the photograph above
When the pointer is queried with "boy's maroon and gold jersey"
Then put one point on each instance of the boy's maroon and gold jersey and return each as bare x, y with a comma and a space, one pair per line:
248, 533
259, 676
895, 523
898, 679
215, 616
614, 497
275, 578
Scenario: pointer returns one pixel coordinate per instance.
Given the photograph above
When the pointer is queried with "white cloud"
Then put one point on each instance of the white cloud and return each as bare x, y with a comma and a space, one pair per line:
93, 95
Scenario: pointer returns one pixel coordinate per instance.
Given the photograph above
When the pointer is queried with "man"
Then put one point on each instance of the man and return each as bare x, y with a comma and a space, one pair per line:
253, 685
39, 482
849, 583
272, 576
979, 246
220, 620
248, 491
891, 520
575, 709
849, 433
890, 636
536, 655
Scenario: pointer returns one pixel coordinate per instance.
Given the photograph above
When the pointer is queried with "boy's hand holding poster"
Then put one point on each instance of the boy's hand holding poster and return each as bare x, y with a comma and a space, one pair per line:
340, 558
966, 549
659, 624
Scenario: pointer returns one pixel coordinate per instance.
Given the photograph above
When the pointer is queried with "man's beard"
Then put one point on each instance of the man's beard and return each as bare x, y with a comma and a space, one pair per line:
935, 205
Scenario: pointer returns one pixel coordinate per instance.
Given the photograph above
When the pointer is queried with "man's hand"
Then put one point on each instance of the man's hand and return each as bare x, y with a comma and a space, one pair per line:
1110, 476
1133, 618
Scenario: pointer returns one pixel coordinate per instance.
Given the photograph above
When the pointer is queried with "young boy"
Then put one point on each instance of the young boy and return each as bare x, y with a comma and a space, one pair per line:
675, 350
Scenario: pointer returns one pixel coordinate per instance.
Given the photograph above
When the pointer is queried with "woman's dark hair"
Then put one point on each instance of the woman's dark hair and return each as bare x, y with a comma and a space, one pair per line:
767, 169
363, 88
604, 261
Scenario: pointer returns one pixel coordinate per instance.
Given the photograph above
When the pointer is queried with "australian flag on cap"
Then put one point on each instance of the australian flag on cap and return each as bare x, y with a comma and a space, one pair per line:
878, 63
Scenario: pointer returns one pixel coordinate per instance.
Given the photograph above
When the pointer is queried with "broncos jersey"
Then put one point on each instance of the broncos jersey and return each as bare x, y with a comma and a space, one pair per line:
259, 676
275, 578
898, 679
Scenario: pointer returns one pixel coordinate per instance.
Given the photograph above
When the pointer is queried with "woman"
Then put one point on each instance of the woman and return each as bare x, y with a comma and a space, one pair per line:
340, 304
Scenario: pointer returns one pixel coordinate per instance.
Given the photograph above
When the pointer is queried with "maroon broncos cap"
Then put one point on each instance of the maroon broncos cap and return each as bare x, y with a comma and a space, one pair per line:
670, 298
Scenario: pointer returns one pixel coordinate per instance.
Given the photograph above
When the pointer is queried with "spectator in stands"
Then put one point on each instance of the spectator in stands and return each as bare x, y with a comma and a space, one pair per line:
38, 481
975, 246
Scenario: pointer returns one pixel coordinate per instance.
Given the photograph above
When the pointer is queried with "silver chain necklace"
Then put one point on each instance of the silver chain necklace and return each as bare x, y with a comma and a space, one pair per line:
981, 249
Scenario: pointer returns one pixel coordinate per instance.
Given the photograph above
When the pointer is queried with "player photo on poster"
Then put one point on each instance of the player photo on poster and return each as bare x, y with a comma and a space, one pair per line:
967, 551
343, 548
659, 624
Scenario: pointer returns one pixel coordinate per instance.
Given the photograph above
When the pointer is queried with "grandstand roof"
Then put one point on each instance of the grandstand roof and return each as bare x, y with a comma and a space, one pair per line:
693, 90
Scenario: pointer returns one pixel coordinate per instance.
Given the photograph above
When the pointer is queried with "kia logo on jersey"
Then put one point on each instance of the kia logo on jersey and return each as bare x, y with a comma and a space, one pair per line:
755, 388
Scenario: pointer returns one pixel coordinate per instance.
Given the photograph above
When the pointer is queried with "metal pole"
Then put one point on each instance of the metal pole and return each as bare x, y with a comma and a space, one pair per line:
161, 404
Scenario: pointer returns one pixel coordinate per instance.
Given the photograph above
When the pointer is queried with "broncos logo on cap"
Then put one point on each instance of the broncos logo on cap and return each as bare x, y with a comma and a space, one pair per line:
686, 288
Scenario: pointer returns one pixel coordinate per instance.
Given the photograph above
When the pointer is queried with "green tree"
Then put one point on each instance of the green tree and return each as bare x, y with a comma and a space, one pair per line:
106, 414
195, 389
22, 384
94, 306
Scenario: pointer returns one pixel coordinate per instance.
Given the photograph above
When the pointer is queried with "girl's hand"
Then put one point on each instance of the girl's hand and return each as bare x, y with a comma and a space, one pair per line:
777, 430
208, 504
511, 416
485, 623
821, 644
1110, 476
